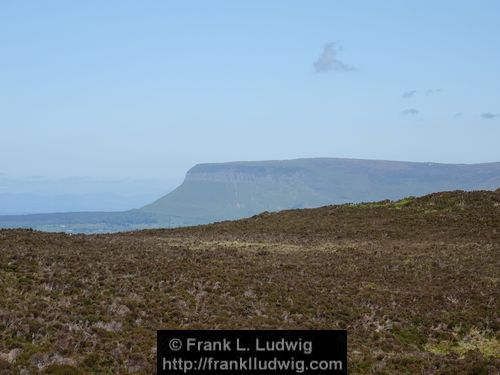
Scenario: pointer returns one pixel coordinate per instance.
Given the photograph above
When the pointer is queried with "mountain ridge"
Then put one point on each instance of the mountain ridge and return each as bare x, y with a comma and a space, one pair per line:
238, 189
214, 192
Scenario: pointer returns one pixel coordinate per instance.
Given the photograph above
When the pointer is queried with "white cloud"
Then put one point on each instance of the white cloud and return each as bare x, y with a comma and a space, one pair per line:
329, 61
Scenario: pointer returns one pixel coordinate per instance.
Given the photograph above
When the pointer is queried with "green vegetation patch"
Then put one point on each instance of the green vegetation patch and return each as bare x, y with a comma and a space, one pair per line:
475, 340
403, 202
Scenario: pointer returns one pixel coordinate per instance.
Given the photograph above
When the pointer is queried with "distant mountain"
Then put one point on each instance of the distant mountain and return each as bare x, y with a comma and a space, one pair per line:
213, 192
225, 191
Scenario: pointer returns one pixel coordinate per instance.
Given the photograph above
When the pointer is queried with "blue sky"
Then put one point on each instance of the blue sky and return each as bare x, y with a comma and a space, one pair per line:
130, 89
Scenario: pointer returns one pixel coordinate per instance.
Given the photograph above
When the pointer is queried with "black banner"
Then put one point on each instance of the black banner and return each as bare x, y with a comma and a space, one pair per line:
231, 352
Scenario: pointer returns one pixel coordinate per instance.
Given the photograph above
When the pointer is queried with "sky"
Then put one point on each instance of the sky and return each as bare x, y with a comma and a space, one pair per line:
147, 89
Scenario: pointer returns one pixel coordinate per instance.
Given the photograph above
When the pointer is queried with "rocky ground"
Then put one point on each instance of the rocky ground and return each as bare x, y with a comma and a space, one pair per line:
415, 283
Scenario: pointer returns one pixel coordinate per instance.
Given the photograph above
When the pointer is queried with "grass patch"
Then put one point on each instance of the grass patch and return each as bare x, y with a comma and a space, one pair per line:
403, 202
475, 340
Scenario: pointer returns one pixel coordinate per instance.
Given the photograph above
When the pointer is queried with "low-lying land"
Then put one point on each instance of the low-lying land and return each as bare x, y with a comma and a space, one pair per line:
415, 283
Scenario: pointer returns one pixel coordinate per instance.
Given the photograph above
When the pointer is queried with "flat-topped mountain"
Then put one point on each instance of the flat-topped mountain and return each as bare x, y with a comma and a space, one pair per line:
226, 191
221, 191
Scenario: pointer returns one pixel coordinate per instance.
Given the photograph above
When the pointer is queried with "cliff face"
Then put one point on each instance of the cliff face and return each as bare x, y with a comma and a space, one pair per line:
213, 192
241, 173
227, 191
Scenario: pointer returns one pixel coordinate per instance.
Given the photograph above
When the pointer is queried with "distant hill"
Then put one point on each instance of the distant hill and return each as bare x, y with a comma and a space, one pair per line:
225, 191
213, 192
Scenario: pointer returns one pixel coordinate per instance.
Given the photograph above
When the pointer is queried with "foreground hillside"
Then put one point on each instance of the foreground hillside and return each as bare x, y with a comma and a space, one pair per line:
415, 282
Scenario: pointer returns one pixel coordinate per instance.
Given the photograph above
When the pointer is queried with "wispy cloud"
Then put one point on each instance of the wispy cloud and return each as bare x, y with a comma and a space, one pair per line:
329, 61
411, 93
410, 112
457, 115
433, 91
489, 115
408, 94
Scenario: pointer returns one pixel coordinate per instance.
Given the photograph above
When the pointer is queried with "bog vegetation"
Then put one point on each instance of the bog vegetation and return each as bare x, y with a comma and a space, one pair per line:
415, 283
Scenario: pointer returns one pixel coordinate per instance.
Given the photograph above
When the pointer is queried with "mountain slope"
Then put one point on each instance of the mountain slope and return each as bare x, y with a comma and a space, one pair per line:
213, 192
225, 191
